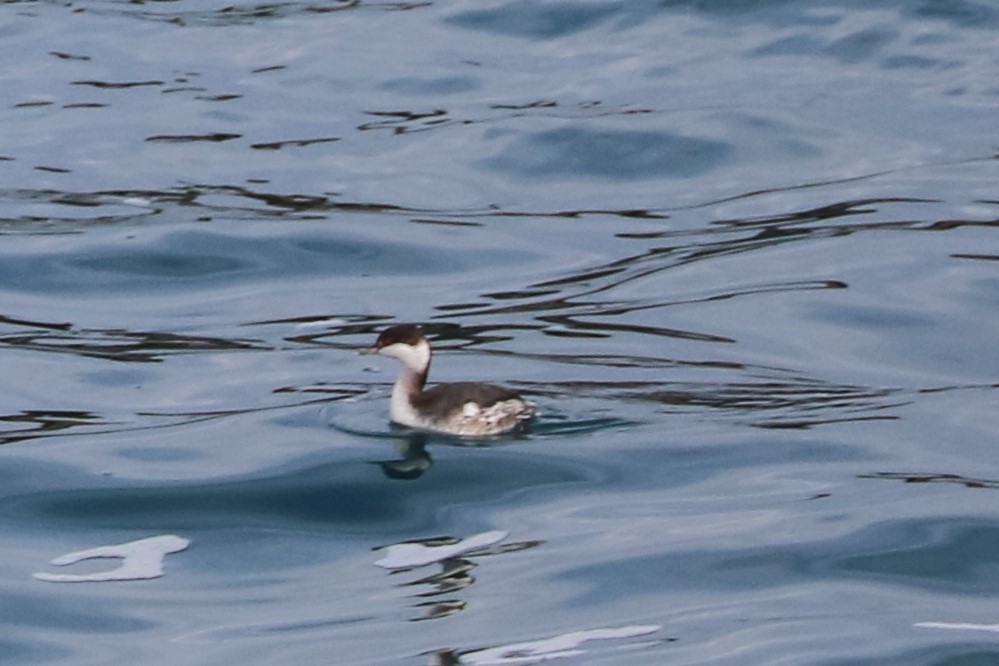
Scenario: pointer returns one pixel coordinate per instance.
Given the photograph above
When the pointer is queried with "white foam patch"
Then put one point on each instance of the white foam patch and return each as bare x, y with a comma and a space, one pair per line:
412, 555
557, 647
320, 323
959, 626
141, 560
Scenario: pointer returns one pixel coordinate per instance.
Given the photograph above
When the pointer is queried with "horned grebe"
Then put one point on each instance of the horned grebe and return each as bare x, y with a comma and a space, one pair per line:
468, 409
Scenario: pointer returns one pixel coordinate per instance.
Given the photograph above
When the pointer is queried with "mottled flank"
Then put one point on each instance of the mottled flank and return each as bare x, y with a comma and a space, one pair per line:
472, 409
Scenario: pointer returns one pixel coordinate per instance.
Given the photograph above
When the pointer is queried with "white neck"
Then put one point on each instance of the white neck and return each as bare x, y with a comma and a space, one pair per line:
401, 408
416, 364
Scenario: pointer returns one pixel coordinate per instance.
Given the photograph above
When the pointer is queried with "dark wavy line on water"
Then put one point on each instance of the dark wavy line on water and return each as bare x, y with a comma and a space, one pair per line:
117, 85
252, 12
871, 175
62, 55
407, 121
926, 478
610, 308
113, 343
275, 204
213, 137
40, 423
298, 143
573, 326
979, 257
52, 169
280, 203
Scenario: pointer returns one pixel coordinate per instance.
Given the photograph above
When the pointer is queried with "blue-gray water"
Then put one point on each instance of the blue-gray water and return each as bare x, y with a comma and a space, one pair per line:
741, 254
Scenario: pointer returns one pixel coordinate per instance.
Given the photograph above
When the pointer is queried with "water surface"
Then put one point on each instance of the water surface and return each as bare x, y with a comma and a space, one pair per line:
739, 254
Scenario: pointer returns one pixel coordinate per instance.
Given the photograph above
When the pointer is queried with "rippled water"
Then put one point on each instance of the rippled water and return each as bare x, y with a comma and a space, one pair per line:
738, 252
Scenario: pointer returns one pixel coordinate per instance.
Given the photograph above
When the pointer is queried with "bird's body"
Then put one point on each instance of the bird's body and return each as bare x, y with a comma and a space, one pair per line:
467, 409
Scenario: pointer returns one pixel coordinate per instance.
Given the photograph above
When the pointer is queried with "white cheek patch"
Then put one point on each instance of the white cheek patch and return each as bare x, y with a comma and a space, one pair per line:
415, 358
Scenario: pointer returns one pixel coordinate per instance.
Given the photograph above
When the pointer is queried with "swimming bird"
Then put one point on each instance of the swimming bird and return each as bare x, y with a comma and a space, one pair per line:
467, 409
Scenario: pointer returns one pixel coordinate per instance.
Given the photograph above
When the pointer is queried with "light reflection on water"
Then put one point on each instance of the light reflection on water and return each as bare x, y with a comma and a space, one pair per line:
737, 252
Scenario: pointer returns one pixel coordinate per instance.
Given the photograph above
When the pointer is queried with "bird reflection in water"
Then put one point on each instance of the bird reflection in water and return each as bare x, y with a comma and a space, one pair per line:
414, 461
455, 557
414, 458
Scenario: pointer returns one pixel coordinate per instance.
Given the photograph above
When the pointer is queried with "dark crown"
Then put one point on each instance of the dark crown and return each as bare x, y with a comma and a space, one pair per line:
407, 334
